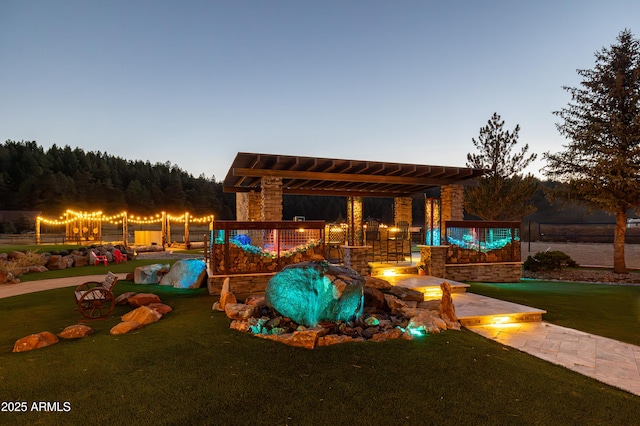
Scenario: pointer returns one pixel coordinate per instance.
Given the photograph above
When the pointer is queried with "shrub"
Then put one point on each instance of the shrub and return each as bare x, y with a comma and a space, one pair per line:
19, 266
549, 261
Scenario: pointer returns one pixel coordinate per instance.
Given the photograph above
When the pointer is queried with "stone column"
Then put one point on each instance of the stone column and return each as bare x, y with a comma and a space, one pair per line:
248, 206
452, 205
271, 199
452, 197
356, 258
434, 259
354, 220
402, 210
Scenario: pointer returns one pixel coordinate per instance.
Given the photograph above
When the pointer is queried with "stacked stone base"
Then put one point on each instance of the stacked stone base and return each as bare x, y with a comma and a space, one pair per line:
241, 285
503, 272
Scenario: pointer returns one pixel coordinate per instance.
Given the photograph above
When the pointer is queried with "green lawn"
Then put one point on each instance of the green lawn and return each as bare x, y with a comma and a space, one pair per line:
606, 310
190, 368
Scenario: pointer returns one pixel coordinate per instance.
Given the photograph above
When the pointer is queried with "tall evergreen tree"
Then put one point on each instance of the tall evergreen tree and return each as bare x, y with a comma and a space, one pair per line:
503, 193
601, 161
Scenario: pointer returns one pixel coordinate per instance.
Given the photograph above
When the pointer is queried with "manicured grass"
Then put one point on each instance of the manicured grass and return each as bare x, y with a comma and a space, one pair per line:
190, 368
606, 310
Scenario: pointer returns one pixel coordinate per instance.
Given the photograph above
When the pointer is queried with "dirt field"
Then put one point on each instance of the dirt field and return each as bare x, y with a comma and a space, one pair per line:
586, 254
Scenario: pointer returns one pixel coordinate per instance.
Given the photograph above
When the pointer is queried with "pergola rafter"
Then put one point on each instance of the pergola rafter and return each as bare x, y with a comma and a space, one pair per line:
339, 177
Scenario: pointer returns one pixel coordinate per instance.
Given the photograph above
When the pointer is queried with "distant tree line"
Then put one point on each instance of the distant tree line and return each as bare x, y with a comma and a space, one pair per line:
57, 179
62, 178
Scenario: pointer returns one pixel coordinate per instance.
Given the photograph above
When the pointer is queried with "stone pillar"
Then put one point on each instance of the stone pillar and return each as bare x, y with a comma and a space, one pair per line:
248, 206
402, 210
271, 199
356, 258
434, 259
452, 198
354, 220
452, 206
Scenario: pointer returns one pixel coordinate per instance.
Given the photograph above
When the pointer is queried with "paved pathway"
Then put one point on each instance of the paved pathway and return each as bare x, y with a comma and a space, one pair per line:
606, 360
8, 290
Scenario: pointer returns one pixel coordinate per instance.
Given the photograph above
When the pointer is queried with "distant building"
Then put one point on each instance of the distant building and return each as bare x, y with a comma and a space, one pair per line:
633, 223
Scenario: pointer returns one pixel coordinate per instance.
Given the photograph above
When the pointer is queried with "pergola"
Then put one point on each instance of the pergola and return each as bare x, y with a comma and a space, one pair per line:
260, 180
339, 177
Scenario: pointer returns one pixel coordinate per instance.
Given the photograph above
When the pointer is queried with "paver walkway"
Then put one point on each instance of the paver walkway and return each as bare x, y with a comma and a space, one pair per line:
8, 290
609, 361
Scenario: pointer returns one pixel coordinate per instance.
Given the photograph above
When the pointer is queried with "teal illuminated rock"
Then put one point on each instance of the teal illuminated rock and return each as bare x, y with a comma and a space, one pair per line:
186, 273
310, 292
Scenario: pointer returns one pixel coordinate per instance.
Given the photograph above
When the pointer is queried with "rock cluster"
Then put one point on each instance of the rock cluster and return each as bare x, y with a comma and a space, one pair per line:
314, 291
389, 313
148, 309
185, 273
17, 263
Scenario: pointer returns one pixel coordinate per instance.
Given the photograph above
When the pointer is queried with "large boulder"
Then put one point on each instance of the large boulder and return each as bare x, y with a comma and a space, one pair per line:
150, 274
7, 277
125, 327
407, 294
35, 341
76, 331
226, 297
142, 315
57, 262
239, 311
447, 308
310, 292
302, 339
143, 299
186, 273
79, 259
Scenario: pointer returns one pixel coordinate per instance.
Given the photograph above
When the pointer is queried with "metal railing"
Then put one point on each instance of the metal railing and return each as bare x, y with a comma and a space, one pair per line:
236, 247
472, 241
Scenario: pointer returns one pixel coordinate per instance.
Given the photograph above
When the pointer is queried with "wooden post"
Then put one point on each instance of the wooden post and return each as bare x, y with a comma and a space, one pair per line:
186, 230
125, 230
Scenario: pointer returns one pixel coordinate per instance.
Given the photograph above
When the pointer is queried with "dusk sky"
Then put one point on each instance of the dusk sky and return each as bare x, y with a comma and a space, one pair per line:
195, 82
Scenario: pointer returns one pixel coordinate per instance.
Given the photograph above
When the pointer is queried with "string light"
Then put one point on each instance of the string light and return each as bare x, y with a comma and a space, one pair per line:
73, 216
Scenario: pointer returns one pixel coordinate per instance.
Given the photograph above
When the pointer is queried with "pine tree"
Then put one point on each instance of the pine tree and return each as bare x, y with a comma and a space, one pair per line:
601, 162
503, 193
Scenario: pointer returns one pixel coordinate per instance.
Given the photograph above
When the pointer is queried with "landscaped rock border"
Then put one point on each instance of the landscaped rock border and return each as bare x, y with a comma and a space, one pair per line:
386, 316
149, 309
17, 263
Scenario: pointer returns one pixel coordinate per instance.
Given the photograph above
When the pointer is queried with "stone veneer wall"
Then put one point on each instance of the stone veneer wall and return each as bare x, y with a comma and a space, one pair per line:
434, 260
271, 198
507, 272
240, 284
248, 206
402, 210
357, 258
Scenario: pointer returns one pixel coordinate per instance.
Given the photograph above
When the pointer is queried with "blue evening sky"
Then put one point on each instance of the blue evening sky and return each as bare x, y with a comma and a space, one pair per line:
194, 82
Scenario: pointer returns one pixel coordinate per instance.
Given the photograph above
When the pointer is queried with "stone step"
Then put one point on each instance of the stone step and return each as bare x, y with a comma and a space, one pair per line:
471, 309
474, 309
384, 269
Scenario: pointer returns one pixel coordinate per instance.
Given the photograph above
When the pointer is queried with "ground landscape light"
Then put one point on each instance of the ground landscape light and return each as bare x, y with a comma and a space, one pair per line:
505, 319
